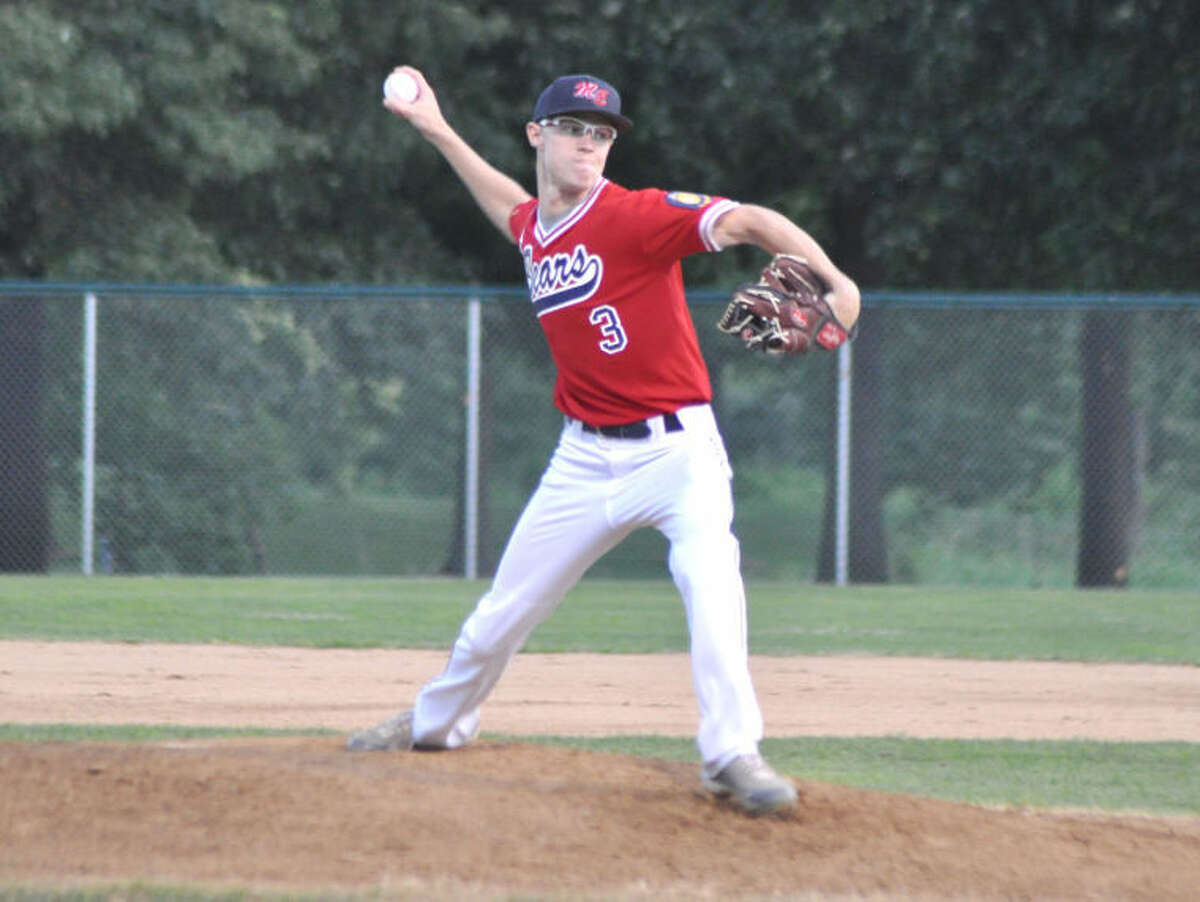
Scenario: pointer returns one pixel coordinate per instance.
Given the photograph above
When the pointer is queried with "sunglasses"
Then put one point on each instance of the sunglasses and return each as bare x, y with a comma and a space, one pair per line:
574, 128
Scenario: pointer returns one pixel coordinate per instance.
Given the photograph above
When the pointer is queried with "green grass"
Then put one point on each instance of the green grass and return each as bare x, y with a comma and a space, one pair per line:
1158, 777
421, 613
646, 616
612, 616
377, 532
363, 533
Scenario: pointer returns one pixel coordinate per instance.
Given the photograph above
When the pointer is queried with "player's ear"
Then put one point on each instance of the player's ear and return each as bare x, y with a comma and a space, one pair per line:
533, 132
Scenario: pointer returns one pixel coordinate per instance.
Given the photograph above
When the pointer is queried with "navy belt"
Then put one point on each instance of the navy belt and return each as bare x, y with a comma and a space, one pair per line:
640, 429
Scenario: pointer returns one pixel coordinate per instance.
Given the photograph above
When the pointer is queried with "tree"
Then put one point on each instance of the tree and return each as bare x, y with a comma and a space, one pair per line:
971, 146
25, 537
167, 143
1017, 158
1108, 461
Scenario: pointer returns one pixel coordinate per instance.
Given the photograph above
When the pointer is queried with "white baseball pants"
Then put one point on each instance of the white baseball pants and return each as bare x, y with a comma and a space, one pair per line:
595, 491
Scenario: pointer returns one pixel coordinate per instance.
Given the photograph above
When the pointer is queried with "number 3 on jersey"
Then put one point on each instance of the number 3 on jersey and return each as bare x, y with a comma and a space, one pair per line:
612, 335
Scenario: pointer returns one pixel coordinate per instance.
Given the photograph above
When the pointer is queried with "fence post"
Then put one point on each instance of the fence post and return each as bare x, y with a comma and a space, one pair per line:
842, 541
88, 489
471, 476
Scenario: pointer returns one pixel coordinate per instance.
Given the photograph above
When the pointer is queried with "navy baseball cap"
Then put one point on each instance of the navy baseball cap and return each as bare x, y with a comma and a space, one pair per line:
581, 94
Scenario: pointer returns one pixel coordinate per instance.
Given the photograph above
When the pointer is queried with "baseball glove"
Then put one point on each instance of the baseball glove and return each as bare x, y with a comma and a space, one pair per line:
785, 311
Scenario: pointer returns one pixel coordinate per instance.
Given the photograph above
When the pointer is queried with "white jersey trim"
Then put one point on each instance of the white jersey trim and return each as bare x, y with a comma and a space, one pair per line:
709, 220
546, 236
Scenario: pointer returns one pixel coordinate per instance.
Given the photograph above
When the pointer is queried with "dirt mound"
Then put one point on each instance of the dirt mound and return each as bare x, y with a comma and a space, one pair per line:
498, 818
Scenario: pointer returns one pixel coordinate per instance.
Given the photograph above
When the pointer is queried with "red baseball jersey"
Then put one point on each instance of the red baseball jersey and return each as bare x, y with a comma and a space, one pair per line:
607, 287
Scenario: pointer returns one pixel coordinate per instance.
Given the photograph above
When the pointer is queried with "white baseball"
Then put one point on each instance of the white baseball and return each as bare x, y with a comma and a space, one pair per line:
401, 86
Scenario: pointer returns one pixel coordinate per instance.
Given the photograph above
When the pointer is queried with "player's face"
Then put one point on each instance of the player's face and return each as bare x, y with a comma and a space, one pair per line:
574, 149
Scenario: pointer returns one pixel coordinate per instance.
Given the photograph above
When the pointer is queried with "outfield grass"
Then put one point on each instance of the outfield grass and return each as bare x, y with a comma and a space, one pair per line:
646, 616
612, 616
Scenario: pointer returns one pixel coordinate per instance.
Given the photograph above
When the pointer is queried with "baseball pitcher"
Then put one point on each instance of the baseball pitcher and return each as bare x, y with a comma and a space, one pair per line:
639, 445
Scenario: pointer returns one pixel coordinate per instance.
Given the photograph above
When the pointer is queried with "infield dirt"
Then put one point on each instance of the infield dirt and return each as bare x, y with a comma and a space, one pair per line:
502, 819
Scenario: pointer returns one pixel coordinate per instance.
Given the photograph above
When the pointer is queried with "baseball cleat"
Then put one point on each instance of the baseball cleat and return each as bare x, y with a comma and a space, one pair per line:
393, 735
751, 784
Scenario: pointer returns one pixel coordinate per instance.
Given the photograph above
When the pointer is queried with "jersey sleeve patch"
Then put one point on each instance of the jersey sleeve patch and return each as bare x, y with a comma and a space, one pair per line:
688, 200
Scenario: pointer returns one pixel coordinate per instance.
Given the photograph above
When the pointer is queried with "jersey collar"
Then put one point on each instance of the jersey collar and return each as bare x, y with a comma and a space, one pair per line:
546, 236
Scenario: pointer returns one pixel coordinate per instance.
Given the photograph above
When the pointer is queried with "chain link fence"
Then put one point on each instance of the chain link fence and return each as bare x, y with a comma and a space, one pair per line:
324, 431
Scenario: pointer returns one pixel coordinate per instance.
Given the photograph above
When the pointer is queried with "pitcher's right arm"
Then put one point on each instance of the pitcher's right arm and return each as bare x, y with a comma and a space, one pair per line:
495, 193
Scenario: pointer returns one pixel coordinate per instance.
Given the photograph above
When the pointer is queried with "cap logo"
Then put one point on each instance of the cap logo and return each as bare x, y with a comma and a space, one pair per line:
590, 91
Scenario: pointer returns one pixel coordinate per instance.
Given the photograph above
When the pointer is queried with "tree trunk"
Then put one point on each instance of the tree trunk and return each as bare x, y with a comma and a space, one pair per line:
867, 562
1108, 454
25, 538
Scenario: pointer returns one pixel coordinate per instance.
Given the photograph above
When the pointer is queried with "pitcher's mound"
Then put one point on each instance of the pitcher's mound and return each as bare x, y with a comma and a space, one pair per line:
502, 818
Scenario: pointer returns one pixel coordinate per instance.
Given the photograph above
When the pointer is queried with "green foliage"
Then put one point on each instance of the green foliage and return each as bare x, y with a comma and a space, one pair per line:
217, 414
199, 141
361, 535
1043, 149
1026, 394
213, 440
243, 141
227, 422
1018, 543
777, 520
